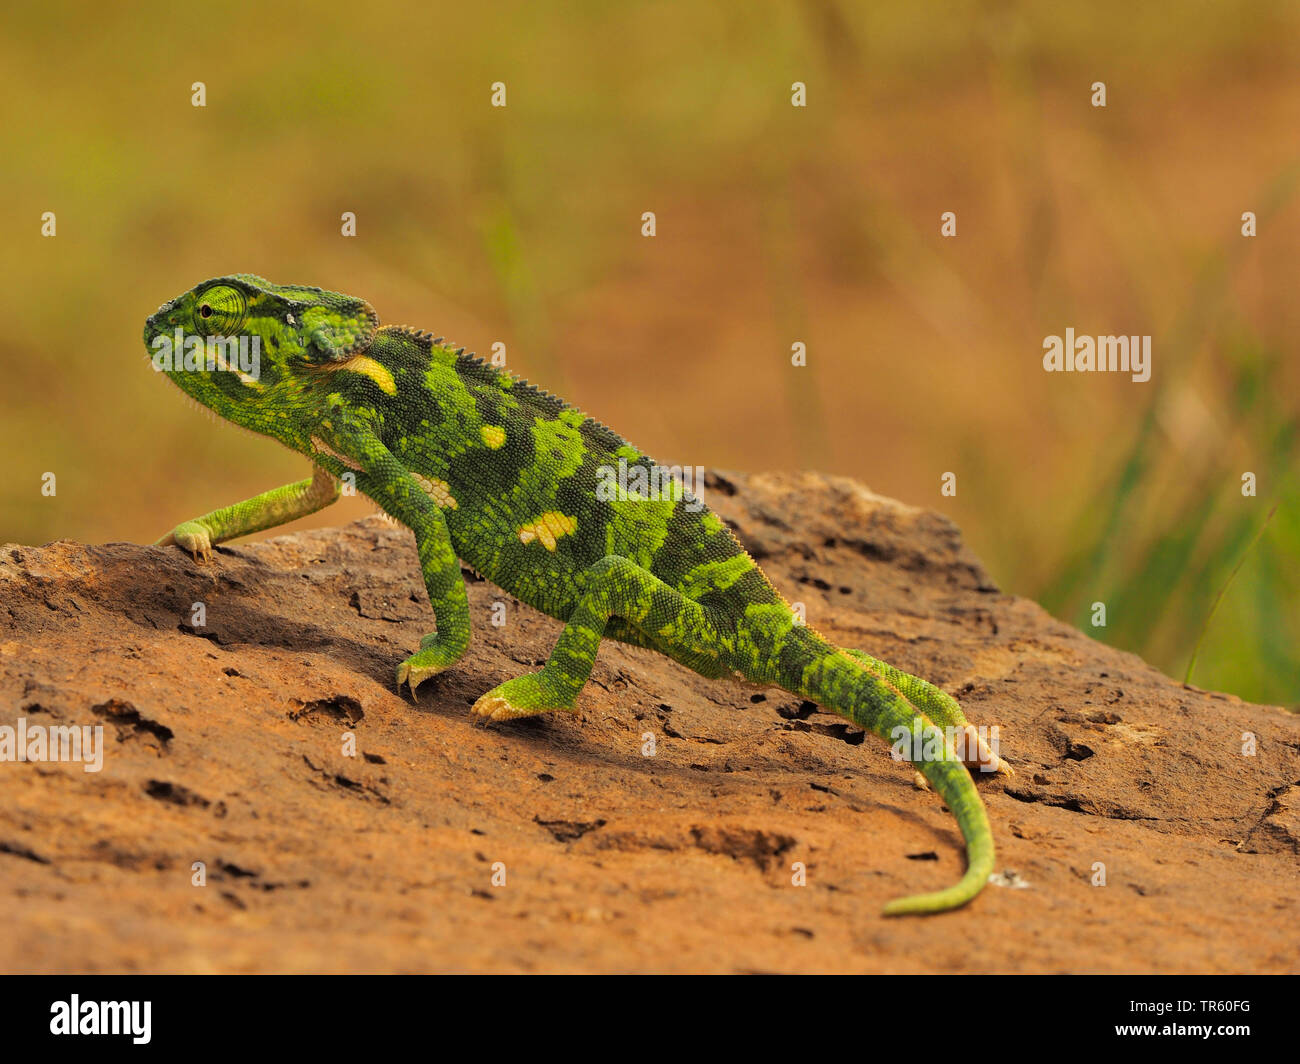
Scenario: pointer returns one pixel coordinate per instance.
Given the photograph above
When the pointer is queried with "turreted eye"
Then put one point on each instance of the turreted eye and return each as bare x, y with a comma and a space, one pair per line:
221, 311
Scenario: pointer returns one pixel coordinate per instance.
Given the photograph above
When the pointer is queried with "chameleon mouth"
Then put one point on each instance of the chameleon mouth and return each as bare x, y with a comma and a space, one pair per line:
155, 323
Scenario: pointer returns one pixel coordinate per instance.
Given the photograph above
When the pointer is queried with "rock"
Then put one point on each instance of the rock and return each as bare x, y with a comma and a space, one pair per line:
556, 844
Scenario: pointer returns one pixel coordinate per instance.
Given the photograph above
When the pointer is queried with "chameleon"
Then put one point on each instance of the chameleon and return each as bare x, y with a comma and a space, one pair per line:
489, 470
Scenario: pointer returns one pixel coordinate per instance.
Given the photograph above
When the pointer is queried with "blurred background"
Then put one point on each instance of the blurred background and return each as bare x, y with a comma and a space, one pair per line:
775, 225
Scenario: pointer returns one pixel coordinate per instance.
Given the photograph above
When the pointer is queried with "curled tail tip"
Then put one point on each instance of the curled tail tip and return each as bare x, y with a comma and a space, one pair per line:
940, 901
901, 906
978, 870
920, 905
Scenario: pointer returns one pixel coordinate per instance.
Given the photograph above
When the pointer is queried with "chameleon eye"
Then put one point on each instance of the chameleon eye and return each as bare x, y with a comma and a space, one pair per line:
221, 311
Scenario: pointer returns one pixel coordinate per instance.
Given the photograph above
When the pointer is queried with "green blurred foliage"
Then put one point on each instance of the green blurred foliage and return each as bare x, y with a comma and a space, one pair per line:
776, 224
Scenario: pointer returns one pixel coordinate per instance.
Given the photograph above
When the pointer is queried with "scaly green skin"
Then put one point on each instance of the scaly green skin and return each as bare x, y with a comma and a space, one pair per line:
486, 468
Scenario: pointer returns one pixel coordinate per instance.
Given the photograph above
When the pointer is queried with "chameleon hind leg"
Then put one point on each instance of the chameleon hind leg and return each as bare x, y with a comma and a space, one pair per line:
943, 710
612, 588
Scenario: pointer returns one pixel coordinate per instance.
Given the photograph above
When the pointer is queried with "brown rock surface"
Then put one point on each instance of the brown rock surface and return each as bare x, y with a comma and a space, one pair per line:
225, 746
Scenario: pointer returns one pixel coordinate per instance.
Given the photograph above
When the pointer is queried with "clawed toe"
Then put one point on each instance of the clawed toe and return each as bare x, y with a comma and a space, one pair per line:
524, 696
494, 707
979, 756
413, 675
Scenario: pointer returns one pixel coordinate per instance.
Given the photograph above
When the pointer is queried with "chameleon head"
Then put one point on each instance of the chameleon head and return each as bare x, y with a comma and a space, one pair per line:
232, 342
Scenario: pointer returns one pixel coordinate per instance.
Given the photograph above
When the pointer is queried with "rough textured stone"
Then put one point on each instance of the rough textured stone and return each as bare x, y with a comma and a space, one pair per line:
226, 747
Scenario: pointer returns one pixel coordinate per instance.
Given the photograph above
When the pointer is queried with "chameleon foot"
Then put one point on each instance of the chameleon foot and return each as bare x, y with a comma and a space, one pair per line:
192, 537
432, 658
524, 696
416, 669
975, 756
944, 710
979, 757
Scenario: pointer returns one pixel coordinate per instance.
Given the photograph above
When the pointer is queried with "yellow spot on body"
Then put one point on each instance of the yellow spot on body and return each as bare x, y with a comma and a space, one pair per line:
321, 447
548, 528
493, 435
438, 490
715, 576
376, 371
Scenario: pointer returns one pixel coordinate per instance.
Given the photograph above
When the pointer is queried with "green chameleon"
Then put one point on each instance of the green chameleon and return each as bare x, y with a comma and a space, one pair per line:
484, 467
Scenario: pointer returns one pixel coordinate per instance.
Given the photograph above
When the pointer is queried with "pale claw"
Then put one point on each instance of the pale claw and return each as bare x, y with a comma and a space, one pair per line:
985, 760
193, 538
494, 707
413, 677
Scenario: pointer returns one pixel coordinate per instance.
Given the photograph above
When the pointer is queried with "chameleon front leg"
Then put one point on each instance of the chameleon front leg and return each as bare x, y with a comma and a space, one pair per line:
275, 507
613, 587
388, 483
941, 709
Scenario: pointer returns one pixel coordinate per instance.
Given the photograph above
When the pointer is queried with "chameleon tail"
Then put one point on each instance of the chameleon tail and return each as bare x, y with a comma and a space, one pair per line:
839, 682
955, 786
